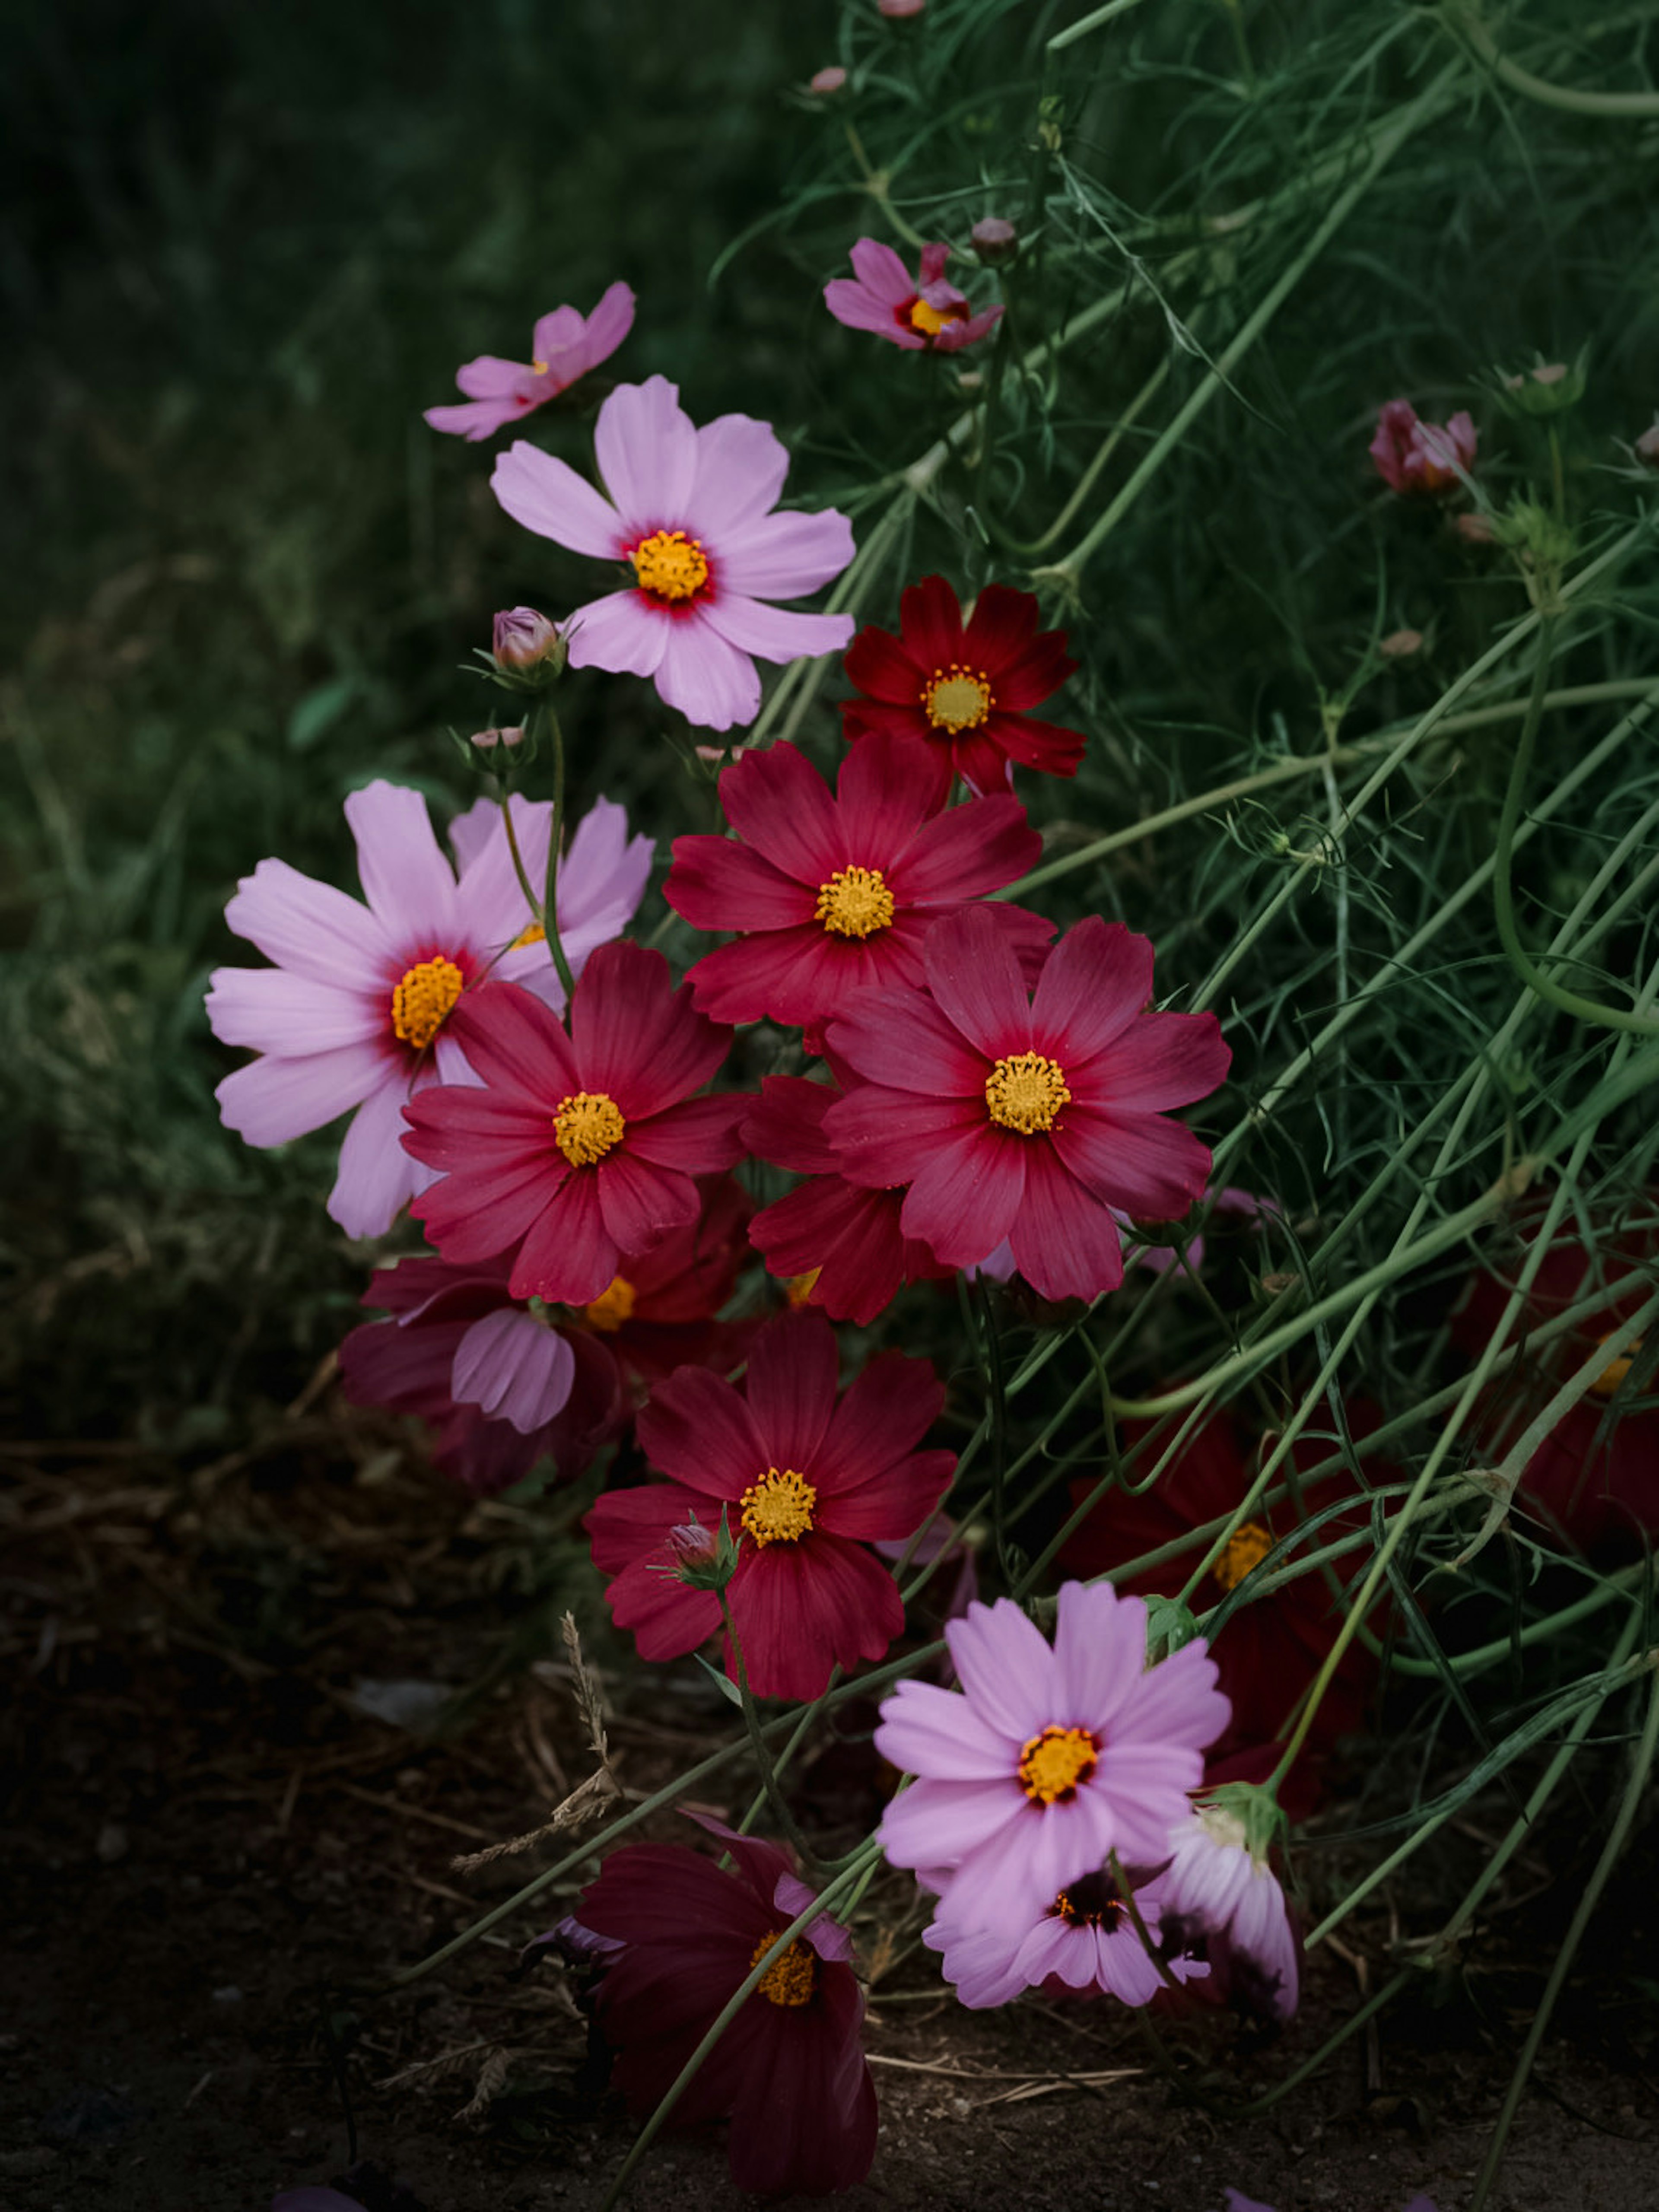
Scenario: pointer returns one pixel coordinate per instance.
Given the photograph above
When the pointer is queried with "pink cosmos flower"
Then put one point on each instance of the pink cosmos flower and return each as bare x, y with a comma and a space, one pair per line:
1411, 456
831, 894
1214, 1890
1083, 1938
571, 1150
565, 346
691, 511
916, 313
357, 1011
1026, 1118
1049, 1759
806, 1483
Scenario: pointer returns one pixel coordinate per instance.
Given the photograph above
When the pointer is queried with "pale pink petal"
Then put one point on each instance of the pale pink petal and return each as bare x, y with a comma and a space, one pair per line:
490, 377
784, 555
514, 1368
308, 927
933, 259
273, 1011
601, 879
490, 899
776, 632
860, 309
625, 632
937, 1733
741, 466
274, 1100
607, 326
405, 878
1006, 1667
935, 1823
711, 682
879, 269
548, 496
377, 1176
1100, 1654
645, 446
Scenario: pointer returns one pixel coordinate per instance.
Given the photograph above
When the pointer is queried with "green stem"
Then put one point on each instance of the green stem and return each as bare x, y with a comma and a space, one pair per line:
759, 1745
1606, 105
550, 906
504, 798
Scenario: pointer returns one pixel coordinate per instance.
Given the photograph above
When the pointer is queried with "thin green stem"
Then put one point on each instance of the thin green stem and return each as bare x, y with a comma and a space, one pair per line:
504, 800
555, 836
1603, 105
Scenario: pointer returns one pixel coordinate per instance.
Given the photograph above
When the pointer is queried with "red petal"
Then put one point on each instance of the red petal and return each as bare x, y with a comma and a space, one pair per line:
1065, 1243
975, 976
777, 802
697, 1429
717, 883
881, 667
930, 616
791, 1384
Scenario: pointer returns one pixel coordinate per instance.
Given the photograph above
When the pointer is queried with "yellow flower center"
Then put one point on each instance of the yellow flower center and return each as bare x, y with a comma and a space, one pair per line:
670, 566
613, 1306
422, 998
533, 934
1052, 1764
778, 1509
956, 699
1245, 1548
1025, 1091
586, 1127
788, 1980
540, 367
799, 1288
1615, 1370
930, 321
855, 902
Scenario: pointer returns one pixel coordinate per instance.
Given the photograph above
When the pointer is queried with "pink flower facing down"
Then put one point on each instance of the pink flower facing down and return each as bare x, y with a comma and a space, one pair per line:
1083, 1939
1048, 1760
805, 1483
916, 313
1029, 1119
690, 512
357, 1011
789, 2072
566, 345
1411, 456
1215, 1891
831, 894
574, 1149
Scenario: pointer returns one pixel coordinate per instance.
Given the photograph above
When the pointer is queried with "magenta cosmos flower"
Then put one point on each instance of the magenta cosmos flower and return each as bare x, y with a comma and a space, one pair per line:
830, 895
1027, 1118
1048, 1758
1083, 1939
356, 1010
565, 346
789, 2072
805, 1483
690, 513
1412, 456
1216, 1891
913, 311
574, 1149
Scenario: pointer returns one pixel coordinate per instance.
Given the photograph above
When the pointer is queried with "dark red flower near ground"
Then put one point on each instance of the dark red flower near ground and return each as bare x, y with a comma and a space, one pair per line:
1028, 1118
574, 1149
789, 2072
806, 1485
834, 894
964, 691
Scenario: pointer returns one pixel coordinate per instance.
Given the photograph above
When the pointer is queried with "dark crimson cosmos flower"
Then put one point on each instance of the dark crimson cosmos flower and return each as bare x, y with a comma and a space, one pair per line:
661, 1311
831, 894
789, 2072
1026, 1118
964, 692
574, 1149
848, 1240
806, 1484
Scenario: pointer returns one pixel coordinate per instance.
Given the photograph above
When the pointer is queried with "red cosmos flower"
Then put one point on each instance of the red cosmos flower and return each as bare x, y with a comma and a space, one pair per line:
1026, 1119
575, 1148
963, 691
805, 1483
661, 1311
788, 2072
833, 893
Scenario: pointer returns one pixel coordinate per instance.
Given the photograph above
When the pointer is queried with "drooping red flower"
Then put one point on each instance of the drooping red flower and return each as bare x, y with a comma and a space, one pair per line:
575, 1148
1028, 1118
806, 1484
964, 691
789, 2072
831, 894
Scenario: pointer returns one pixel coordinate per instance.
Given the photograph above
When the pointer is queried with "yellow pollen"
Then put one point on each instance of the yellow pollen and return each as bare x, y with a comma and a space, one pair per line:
1245, 1548
1615, 1370
788, 1980
956, 699
670, 566
540, 367
1052, 1764
422, 998
930, 321
778, 1509
533, 934
586, 1127
799, 1288
1025, 1092
613, 1306
855, 902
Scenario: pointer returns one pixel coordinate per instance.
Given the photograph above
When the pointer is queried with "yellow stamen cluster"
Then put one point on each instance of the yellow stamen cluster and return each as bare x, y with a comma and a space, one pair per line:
956, 698
778, 1509
1052, 1765
586, 1127
855, 902
1615, 1370
1244, 1549
791, 1979
532, 933
613, 1306
1025, 1091
422, 998
670, 566
799, 1288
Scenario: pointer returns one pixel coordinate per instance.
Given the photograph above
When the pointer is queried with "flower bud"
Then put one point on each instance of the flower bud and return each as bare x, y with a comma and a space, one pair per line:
525, 640
1548, 388
1474, 529
994, 239
486, 740
1647, 446
896, 10
828, 81
703, 1559
1400, 644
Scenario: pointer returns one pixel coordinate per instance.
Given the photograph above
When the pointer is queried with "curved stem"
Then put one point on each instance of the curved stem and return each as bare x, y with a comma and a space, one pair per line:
551, 905
1572, 102
504, 800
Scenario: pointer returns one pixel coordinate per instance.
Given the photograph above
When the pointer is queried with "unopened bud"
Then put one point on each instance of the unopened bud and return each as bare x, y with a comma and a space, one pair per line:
1400, 644
1474, 529
486, 740
524, 641
1647, 446
703, 1559
994, 239
828, 81
1548, 388
896, 10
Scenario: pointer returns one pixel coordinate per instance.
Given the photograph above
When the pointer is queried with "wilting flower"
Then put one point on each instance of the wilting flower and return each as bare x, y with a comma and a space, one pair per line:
358, 1010
1216, 1890
806, 1483
916, 313
963, 691
834, 894
690, 512
1412, 456
571, 1150
1084, 1938
1049, 1759
788, 2072
1027, 1118
565, 346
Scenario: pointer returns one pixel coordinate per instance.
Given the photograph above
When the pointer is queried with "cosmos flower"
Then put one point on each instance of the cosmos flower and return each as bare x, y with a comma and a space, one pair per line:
357, 1010
963, 691
1216, 1890
565, 346
1412, 456
1083, 1939
690, 511
916, 313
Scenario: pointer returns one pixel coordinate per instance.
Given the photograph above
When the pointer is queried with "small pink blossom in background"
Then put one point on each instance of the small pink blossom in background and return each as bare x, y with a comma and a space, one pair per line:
1083, 1938
1400, 644
1477, 530
1214, 1888
486, 740
833, 79
898, 11
565, 346
691, 511
917, 313
993, 238
521, 637
1414, 456
1647, 445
